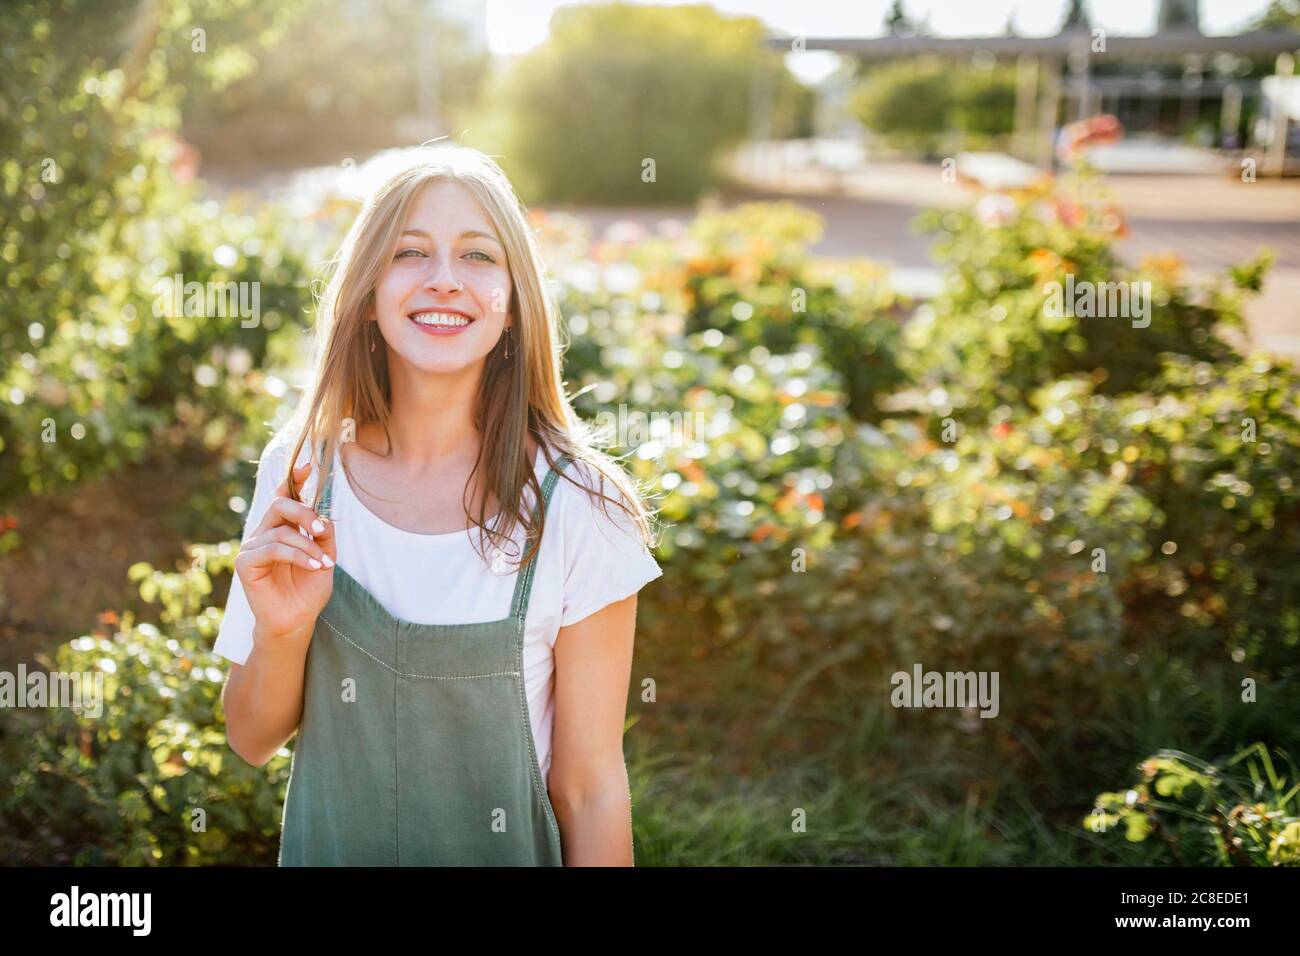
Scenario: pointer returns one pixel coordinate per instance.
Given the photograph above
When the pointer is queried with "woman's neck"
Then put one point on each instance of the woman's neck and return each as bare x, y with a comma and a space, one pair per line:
431, 427
431, 423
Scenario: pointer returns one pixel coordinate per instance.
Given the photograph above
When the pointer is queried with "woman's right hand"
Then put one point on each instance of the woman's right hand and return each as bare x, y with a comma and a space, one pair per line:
288, 578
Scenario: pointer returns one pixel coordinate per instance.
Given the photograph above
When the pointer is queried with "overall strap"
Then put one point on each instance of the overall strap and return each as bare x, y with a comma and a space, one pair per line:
524, 580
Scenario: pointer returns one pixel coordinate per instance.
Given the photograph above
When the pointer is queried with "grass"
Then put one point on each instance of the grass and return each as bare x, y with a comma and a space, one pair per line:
850, 781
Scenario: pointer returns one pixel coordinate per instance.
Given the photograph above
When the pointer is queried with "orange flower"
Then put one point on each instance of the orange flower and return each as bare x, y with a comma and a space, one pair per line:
1042, 185
692, 471
1070, 214
1167, 266
746, 270
694, 394
1112, 220
1045, 263
1101, 130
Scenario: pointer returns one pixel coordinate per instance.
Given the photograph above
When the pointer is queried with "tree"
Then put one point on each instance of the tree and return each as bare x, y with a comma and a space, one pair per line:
96, 211
631, 103
1076, 17
897, 22
1280, 15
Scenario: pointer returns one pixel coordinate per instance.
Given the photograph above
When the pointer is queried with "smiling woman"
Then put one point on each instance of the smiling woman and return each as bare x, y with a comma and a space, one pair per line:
453, 706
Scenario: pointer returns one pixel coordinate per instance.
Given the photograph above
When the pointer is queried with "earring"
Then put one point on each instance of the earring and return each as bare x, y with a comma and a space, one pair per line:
372, 338
507, 341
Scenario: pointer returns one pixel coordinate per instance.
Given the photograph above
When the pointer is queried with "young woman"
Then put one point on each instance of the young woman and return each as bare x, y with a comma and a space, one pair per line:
459, 699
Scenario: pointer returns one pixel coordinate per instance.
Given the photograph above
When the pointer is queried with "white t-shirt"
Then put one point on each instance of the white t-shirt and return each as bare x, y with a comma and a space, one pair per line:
586, 561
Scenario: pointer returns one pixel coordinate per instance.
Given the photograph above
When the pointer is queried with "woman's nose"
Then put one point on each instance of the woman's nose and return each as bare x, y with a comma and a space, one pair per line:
441, 277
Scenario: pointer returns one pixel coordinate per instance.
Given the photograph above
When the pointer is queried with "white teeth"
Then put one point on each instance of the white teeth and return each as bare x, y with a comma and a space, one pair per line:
442, 319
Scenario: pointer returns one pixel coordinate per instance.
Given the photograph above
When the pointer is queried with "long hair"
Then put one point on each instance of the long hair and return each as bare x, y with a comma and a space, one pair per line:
518, 396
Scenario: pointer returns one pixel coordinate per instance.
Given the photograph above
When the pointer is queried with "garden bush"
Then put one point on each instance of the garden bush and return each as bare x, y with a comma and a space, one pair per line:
1185, 812
990, 337
100, 212
152, 781
746, 273
1091, 525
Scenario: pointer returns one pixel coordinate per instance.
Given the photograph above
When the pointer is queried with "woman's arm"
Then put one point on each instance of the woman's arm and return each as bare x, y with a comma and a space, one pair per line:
588, 779
262, 698
282, 582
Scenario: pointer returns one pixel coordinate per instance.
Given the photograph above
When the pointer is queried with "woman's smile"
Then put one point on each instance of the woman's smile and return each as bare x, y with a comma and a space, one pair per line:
440, 322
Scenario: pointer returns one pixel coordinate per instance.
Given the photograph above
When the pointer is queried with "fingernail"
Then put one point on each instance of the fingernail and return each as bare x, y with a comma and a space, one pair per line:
329, 562
315, 565
318, 526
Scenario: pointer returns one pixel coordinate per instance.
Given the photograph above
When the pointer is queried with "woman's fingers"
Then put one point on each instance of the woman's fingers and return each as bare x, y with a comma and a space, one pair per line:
284, 510
299, 476
276, 552
291, 532
325, 538
294, 539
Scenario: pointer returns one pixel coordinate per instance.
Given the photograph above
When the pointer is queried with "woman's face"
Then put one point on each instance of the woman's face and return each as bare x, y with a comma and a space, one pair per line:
447, 260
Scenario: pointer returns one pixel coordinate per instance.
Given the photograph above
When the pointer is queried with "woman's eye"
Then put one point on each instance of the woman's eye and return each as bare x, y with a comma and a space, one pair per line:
419, 252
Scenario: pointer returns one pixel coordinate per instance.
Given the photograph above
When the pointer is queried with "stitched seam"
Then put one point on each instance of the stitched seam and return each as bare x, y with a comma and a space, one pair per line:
533, 769
394, 670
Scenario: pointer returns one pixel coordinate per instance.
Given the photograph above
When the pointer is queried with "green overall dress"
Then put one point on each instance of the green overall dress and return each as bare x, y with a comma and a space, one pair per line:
415, 747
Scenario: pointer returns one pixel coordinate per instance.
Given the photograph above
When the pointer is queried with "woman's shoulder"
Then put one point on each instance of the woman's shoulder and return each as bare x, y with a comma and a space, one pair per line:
582, 507
282, 441
574, 471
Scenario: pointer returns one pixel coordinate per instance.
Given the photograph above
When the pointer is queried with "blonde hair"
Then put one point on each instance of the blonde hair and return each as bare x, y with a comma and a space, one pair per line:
525, 391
